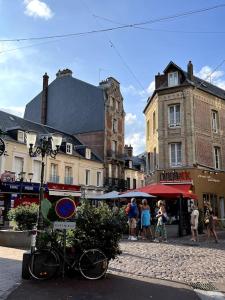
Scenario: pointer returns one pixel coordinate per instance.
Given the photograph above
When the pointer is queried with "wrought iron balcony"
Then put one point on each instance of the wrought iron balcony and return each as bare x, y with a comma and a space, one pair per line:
54, 178
68, 180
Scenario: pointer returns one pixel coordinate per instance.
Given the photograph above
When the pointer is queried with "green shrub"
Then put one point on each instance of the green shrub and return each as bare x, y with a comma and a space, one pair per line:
24, 215
97, 228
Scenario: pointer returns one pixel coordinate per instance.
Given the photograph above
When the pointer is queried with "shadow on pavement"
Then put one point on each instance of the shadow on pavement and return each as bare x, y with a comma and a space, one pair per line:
111, 288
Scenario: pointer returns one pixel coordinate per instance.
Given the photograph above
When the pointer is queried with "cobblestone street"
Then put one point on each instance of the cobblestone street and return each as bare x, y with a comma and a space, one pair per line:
177, 260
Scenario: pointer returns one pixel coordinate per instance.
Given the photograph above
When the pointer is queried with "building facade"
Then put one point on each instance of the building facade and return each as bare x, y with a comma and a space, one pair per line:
185, 132
94, 114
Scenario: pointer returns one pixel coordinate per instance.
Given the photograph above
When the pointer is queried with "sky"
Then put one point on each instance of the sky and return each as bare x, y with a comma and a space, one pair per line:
131, 55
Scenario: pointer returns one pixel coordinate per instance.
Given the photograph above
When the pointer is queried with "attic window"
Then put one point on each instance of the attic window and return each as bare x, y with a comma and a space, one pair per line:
20, 136
69, 148
172, 78
204, 84
11, 118
88, 153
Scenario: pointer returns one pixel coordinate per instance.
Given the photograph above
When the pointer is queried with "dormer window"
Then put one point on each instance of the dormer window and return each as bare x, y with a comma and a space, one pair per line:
69, 148
88, 153
20, 136
130, 164
172, 78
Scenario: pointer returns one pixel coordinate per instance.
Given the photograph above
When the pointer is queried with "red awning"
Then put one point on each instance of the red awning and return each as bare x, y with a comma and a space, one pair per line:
168, 191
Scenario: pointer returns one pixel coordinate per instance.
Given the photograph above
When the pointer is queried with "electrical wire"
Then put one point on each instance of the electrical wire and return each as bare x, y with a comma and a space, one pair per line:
213, 71
170, 17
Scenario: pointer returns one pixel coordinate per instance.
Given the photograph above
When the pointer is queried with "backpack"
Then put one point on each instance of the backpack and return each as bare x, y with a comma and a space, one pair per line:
128, 208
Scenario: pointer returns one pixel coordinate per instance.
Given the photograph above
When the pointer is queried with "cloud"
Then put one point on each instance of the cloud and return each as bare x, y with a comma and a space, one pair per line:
130, 119
137, 141
14, 110
37, 9
216, 78
132, 91
151, 88
9, 52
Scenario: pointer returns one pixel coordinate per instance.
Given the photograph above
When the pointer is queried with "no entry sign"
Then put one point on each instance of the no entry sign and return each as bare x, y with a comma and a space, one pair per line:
65, 208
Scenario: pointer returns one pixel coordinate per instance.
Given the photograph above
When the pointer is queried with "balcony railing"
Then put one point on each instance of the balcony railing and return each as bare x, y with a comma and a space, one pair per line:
114, 154
116, 184
68, 180
54, 178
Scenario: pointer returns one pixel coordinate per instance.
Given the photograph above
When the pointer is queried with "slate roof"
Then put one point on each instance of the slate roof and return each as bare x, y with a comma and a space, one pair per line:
197, 82
70, 99
9, 122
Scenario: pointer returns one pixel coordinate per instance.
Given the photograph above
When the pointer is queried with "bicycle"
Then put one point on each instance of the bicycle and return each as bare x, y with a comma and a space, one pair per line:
46, 263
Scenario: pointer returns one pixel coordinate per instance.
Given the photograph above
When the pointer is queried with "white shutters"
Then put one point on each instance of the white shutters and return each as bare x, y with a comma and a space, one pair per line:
19, 163
217, 157
215, 121
174, 115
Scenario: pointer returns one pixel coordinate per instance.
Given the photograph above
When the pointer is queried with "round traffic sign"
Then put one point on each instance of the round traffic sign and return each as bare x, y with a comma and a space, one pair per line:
65, 208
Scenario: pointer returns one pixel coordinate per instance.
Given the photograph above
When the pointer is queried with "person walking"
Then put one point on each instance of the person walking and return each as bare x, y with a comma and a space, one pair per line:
207, 213
160, 231
145, 219
132, 219
194, 223
212, 226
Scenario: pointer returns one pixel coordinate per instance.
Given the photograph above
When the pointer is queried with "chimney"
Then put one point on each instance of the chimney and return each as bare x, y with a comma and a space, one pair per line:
190, 71
128, 150
44, 100
64, 73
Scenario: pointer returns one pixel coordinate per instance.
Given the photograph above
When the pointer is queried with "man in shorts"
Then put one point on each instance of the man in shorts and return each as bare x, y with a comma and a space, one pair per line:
132, 219
194, 223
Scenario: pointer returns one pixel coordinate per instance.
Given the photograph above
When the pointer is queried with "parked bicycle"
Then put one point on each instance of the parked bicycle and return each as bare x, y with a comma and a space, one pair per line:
48, 262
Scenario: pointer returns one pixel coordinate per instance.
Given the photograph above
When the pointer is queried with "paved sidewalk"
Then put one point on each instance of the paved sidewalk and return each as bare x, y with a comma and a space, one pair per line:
10, 269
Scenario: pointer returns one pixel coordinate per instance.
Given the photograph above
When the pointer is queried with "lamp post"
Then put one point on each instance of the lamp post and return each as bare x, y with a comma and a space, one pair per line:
48, 145
30, 176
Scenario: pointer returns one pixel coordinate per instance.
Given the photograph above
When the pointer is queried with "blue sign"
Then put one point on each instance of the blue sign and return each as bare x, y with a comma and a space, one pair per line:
65, 208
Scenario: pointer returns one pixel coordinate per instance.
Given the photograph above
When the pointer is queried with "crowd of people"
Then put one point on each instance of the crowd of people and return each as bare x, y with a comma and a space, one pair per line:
140, 220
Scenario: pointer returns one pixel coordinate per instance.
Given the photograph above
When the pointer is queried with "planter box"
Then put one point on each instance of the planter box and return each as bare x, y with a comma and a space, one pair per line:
15, 239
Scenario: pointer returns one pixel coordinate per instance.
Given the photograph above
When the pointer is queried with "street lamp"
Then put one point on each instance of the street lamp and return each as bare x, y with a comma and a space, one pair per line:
49, 145
30, 176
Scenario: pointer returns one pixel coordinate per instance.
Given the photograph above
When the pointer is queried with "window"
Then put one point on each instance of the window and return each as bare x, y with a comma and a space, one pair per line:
114, 125
87, 177
68, 175
142, 183
54, 173
36, 171
113, 102
175, 154
19, 164
128, 183
69, 148
116, 171
99, 177
117, 105
88, 153
134, 183
174, 115
155, 158
173, 79
217, 158
114, 147
147, 130
154, 124
215, 121
20, 136
149, 162
130, 164
110, 170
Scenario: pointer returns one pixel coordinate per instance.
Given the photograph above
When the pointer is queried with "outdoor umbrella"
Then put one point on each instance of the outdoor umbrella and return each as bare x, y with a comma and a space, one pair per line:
110, 195
136, 194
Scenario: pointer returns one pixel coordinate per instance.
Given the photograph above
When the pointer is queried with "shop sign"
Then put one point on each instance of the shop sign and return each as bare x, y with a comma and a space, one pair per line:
182, 176
209, 178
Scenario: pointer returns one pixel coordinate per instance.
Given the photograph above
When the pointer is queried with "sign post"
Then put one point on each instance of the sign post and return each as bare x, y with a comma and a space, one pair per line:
65, 208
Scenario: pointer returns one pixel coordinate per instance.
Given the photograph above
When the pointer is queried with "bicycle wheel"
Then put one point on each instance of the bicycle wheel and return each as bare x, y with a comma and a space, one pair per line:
44, 264
93, 264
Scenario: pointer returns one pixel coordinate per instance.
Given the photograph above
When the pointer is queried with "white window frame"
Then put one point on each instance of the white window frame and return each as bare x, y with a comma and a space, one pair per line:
69, 148
88, 153
87, 177
176, 163
99, 178
217, 158
172, 79
175, 122
17, 171
110, 170
130, 164
215, 123
20, 136
36, 177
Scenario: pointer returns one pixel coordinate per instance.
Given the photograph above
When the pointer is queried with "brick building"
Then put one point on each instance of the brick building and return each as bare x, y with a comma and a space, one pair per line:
94, 114
185, 134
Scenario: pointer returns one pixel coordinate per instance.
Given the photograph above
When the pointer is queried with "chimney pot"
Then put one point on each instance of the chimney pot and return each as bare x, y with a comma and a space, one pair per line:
64, 73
